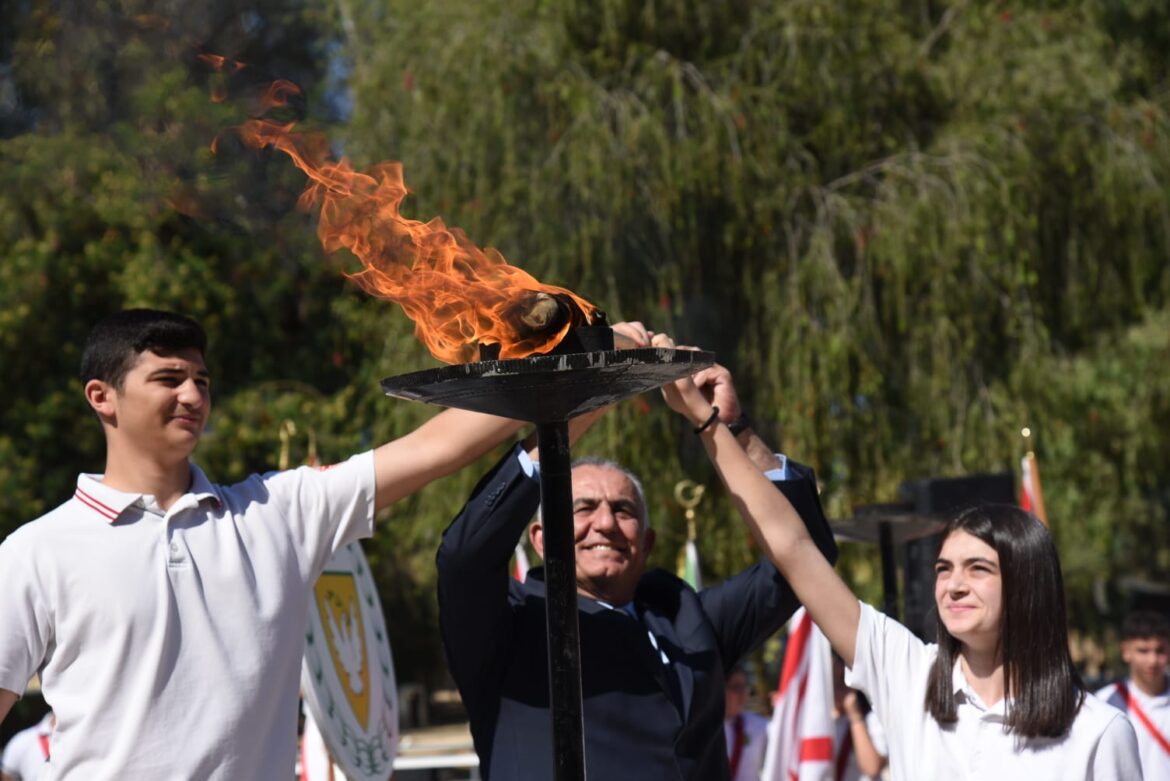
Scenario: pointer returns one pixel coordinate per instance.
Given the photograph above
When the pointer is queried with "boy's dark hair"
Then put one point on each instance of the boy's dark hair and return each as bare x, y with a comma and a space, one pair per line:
1142, 624
114, 344
1043, 688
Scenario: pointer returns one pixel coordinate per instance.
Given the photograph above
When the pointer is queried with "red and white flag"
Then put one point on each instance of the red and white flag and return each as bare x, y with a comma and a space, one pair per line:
520, 568
1031, 497
800, 735
314, 762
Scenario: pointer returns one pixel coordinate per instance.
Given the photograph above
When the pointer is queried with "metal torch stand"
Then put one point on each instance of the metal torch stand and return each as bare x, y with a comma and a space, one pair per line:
564, 635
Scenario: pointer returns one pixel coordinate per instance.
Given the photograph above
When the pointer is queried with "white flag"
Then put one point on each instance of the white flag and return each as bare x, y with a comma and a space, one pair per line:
800, 735
688, 566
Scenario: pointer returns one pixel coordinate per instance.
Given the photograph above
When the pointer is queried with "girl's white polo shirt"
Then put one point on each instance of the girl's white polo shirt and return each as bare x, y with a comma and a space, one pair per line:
169, 643
892, 667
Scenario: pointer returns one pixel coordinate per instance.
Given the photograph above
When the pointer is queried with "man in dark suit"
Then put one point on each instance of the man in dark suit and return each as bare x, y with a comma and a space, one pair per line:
654, 652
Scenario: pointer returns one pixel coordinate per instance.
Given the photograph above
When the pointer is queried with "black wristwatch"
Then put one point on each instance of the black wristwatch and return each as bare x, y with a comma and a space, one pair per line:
741, 423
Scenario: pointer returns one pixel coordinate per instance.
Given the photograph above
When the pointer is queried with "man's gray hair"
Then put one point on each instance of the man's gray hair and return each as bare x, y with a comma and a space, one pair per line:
605, 463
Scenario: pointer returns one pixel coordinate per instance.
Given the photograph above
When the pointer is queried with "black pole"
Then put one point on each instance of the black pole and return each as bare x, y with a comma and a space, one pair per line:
560, 577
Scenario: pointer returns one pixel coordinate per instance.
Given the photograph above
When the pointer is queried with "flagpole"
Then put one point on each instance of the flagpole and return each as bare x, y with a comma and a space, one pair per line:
1032, 496
688, 494
287, 429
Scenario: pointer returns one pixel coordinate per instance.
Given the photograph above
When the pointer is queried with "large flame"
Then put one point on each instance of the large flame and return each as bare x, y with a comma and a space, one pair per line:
459, 296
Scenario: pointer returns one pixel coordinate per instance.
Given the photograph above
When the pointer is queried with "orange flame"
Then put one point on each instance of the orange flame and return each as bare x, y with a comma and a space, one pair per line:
458, 295
215, 61
218, 63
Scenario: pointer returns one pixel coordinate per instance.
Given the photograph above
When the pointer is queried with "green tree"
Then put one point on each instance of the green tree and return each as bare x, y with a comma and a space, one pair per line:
890, 219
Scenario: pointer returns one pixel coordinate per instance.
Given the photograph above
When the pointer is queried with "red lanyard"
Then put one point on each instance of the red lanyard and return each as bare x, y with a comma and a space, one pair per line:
737, 749
1133, 707
44, 739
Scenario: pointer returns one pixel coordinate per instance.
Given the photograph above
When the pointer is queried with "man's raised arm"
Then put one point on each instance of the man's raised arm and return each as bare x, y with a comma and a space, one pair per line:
774, 523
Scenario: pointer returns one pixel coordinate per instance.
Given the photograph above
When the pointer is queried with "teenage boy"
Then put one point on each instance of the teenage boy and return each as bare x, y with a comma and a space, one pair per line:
1145, 693
166, 614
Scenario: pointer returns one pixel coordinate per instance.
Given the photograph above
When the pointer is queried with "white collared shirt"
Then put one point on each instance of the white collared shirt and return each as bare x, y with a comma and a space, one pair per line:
26, 753
1155, 758
170, 643
755, 745
892, 667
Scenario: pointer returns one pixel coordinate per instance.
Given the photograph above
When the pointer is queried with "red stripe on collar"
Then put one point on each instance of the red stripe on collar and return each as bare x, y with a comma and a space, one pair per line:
104, 510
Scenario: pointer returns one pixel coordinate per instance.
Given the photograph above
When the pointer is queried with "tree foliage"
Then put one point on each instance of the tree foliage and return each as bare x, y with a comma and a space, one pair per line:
909, 228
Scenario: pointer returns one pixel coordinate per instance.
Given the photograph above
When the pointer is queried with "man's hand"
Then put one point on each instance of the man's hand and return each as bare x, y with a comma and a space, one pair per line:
630, 335
695, 396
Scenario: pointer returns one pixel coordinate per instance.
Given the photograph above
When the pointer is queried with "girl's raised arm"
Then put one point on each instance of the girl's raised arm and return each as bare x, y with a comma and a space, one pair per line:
772, 520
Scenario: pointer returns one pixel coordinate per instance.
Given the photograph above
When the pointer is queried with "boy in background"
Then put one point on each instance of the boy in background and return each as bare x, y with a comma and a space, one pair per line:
1145, 693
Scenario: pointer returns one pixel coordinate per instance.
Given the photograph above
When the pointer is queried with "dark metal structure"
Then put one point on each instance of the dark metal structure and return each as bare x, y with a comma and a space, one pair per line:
889, 526
909, 531
549, 390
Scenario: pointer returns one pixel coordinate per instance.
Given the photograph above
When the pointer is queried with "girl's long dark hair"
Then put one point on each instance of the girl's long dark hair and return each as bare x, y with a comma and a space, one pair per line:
1043, 689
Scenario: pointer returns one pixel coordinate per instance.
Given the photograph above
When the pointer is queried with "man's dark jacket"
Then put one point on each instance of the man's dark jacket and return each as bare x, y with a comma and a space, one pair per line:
644, 719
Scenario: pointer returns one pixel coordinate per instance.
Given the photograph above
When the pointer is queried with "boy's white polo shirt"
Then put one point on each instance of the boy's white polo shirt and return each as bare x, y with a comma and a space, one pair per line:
169, 644
892, 667
1155, 756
